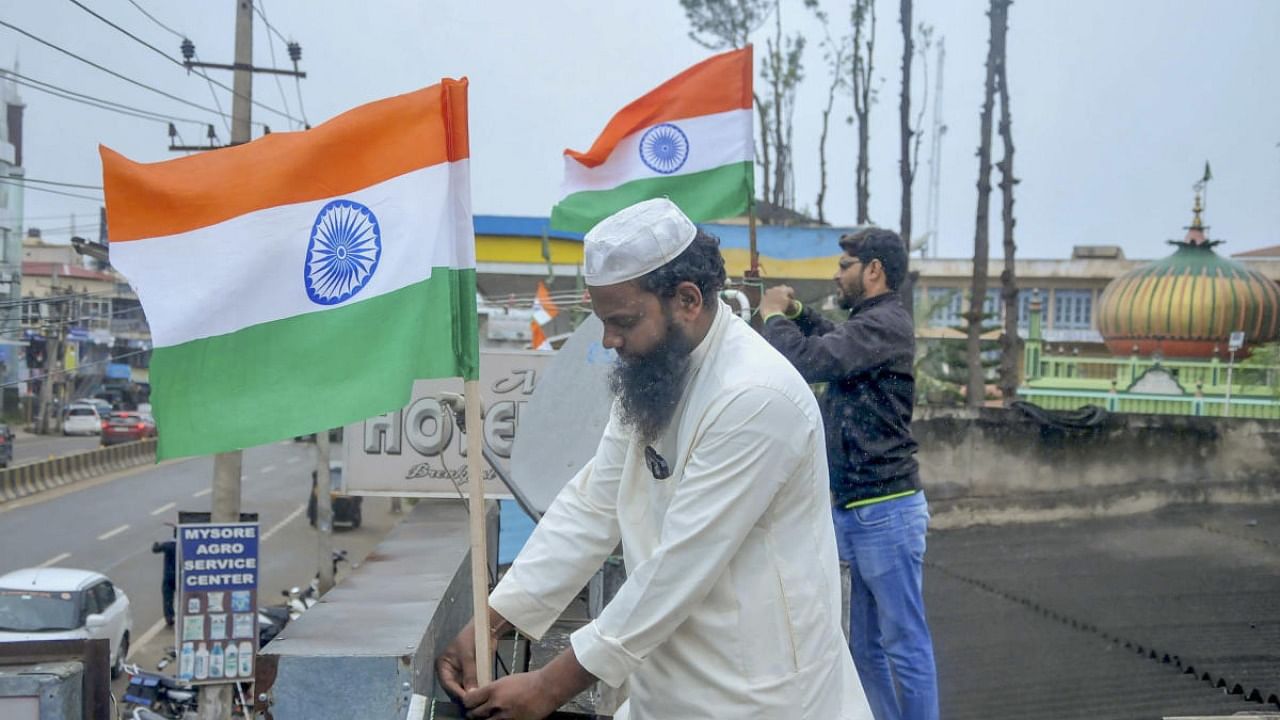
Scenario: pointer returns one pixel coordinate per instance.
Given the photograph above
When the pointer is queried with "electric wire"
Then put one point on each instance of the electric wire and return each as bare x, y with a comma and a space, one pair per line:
6, 181
153, 19
40, 327
96, 102
59, 183
106, 70
166, 56
271, 45
217, 103
76, 369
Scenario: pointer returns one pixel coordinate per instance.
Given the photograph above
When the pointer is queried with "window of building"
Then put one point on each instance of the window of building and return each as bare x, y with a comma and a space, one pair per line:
946, 307
1024, 306
993, 308
1072, 309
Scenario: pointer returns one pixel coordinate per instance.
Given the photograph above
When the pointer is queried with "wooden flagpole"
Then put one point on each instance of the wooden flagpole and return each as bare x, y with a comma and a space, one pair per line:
479, 549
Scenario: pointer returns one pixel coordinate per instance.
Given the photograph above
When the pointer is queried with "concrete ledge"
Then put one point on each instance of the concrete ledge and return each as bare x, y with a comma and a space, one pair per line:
371, 642
993, 465
37, 477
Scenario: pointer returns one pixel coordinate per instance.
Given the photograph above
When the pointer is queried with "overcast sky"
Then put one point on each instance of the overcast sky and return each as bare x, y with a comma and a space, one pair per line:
1116, 103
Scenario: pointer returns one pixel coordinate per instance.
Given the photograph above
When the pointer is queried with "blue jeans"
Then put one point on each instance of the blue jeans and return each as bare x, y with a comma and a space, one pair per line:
888, 633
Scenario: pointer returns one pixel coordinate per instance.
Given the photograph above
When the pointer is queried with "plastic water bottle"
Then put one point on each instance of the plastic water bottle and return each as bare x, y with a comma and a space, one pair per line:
186, 662
232, 667
246, 659
216, 661
201, 670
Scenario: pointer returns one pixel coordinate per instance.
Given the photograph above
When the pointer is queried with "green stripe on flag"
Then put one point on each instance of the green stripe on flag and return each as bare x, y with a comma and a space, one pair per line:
315, 371
708, 195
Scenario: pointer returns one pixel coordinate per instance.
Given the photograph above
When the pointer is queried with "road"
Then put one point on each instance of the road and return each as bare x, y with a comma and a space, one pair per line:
109, 525
32, 448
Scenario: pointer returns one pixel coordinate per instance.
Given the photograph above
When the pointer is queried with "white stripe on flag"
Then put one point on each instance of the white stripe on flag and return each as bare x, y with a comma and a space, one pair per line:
250, 269
713, 141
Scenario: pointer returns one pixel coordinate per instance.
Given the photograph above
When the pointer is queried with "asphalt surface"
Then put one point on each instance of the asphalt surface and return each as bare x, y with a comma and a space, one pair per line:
108, 525
1172, 613
33, 448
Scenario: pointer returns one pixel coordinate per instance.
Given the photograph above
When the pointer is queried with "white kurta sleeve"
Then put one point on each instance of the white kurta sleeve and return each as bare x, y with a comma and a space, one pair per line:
748, 444
568, 545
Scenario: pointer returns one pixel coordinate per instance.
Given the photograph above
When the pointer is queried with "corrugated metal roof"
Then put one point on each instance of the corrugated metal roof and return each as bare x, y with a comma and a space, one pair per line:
1137, 617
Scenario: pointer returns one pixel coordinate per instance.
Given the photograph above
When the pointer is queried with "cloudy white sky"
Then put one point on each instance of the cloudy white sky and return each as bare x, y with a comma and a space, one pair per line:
1116, 104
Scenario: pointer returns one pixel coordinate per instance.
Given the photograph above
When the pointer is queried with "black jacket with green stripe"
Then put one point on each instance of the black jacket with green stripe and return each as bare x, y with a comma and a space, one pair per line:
867, 362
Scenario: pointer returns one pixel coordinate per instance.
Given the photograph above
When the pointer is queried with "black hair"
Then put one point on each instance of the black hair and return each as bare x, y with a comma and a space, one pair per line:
875, 243
700, 264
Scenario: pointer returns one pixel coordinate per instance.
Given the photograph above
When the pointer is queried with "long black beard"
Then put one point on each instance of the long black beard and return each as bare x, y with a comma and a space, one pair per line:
649, 387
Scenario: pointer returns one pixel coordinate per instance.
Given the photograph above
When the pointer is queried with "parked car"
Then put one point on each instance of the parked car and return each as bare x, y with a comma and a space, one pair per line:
121, 427
6, 445
82, 419
65, 604
346, 508
103, 406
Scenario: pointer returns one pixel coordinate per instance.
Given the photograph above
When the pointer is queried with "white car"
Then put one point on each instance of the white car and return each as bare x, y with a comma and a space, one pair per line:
65, 604
82, 419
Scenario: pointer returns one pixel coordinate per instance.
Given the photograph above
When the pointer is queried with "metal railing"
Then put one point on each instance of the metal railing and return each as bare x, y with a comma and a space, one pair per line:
1240, 407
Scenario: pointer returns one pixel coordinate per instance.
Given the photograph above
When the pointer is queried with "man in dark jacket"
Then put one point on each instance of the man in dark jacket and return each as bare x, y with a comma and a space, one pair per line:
168, 548
880, 511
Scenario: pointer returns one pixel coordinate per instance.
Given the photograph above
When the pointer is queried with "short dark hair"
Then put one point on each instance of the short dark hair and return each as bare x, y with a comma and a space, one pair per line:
700, 264
873, 243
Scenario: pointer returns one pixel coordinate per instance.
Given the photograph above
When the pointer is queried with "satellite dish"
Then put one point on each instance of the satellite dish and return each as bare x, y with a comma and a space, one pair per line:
565, 418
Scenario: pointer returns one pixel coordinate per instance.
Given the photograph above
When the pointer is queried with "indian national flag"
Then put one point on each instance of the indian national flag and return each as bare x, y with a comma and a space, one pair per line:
688, 140
302, 281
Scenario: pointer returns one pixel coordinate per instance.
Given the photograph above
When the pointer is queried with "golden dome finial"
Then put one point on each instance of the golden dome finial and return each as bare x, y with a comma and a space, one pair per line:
1196, 224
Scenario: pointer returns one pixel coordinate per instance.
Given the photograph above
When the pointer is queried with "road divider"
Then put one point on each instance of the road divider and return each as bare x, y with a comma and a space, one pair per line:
38, 477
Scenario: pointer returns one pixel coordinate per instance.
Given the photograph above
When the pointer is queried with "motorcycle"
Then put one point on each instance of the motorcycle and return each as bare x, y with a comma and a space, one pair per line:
154, 695
299, 600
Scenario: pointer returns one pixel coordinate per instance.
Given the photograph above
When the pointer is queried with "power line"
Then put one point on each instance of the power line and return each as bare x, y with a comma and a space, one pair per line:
108, 71
166, 56
53, 182
91, 101
271, 45
153, 19
262, 13
76, 369
181, 36
48, 190
22, 331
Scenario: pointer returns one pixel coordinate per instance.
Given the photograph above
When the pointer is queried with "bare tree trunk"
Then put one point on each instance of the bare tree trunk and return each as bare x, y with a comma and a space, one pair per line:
763, 111
779, 141
822, 143
978, 291
905, 171
1010, 343
863, 69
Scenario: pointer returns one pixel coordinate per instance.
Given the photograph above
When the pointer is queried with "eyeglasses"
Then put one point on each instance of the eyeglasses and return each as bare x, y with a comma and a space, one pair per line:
657, 464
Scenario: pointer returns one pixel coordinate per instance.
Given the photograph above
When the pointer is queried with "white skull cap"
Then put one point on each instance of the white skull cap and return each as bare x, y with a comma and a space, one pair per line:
635, 241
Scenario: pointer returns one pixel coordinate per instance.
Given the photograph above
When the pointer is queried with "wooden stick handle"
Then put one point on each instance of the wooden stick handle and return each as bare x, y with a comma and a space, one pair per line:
479, 550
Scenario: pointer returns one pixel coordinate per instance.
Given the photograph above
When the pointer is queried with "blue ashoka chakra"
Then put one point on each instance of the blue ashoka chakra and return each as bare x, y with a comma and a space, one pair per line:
343, 253
664, 148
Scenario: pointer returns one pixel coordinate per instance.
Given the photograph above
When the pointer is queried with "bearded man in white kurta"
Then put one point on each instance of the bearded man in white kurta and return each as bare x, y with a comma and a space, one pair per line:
712, 473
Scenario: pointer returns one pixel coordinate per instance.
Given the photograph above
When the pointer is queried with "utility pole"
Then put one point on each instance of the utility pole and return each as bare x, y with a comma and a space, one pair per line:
216, 700
324, 512
52, 350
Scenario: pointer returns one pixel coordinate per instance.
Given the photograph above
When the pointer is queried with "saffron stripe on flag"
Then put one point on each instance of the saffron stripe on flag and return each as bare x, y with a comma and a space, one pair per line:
718, 84
359, 148
711, 194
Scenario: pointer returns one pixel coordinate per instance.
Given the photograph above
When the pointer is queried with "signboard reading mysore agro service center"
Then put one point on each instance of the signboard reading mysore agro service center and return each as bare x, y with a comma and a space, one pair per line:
217, 628
420, 452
